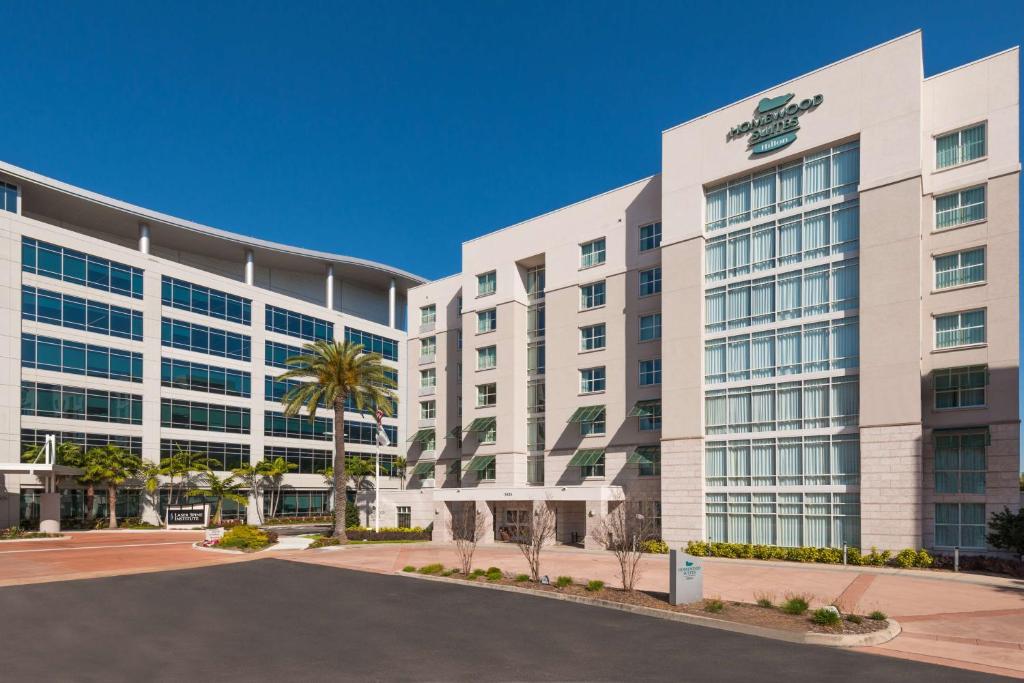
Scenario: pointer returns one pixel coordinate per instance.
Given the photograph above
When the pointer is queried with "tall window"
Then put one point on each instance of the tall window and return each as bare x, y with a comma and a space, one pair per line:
810, 404
404, 514
960, 462
428, 410
960, 146
592, 253
594, 426
650, 372
486, 283
650, 281
299, 325
650, 236
592, 337
428, 347
960, 329
787, 461
536, 358
428, 378
592, 295
80, 268
592, 380
428, 314
961, 268
486, 395
960, 387
487, 321
9, 197
535, 282
535, 437
960, 525
486, 357
818, 520
960, 208
205, 301
650, 327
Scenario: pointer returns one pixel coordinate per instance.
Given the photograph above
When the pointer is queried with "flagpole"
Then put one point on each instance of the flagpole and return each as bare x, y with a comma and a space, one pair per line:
376, 490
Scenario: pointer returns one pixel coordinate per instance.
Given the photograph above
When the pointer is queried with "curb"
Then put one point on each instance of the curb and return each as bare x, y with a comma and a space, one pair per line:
198, 546
63, 537
806, 638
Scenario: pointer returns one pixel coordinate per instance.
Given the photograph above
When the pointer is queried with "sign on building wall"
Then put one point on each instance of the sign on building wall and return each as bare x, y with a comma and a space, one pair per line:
775, 123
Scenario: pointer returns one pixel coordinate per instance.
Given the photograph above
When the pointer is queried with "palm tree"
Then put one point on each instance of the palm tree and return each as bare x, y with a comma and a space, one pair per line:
111, 465
360, 470
251, 477
182, 464
150, 473
274, 471
330, 373
219, 490
399, 469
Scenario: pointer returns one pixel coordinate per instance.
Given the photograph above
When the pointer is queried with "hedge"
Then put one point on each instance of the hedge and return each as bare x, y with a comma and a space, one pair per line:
905, 558
387, 535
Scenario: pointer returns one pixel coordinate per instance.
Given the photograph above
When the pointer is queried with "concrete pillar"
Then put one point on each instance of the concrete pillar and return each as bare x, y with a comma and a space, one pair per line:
144, 238
329, 286
150, 508
392, 318
484, 508
254, 510
596, 509
442, 532
250, 267
49, 513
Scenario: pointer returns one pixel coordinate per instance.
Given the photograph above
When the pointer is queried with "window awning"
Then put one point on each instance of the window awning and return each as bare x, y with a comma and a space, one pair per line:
422, 437
644, 455
586, 414
481, 424
958, 431
650, 408
480, 463
423, 468
586, 456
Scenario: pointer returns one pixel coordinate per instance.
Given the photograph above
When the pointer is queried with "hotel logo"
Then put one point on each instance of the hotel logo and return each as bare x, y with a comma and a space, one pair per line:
775, 123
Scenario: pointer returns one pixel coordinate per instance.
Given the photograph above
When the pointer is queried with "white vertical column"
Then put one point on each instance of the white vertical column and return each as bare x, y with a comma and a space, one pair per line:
391, 303
144, 238
250, 267
329, 284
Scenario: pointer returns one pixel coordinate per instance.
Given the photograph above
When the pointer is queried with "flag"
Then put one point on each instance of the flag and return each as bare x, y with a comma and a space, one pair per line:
382, 436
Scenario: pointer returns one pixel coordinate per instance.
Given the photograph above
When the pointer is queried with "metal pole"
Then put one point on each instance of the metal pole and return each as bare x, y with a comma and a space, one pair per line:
844, 553
956, 559
376, 493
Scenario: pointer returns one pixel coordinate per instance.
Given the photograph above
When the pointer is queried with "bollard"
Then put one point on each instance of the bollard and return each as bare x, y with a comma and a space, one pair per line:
844, 553
956, 559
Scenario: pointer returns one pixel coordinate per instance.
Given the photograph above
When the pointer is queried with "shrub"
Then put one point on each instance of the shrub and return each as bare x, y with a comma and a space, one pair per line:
795, 604
477, 572
563, 581
520, 578
408, 568
764, 599
324, 542
392, 534
854, 619
245, 537
825, 616
877, 559
493, 575
655, 545
714, 605
909, 557
1007, 531
435, 568
878, 615
906, 558
924, 560
351, 515
449, 572
493, 570
594, 585
698, 548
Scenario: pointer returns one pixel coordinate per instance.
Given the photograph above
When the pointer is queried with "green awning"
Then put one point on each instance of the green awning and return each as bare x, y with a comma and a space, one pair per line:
481, 424
423, 468
479, 463
586, 456
644, 455
587, 414
958, 431
422, 437
650, 408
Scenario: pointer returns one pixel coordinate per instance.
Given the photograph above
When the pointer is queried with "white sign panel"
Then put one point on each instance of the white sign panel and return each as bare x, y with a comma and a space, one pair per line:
686, 578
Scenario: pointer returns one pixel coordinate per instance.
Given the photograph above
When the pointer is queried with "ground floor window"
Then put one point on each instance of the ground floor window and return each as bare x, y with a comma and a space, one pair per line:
404, 516
960, 462
818, 520
960, 524
298, 503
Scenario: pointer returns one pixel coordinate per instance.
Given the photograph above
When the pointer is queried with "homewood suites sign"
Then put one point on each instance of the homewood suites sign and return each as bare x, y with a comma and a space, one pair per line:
775, 123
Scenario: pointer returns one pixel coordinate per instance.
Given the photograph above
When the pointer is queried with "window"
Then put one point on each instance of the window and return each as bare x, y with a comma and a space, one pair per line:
79, 268
488, 472
535, 283
458, 339
428, 347
535, 392
960, 525
650, 281
486, 321
486, 357
308, 460
205, 301
960, 387
428, 410
298, 325
54, 308
299, 503
817, 177
592, 295
803, 237
650, 466
536, 319
361, 432
61, 355
74, 403
535, 437
203, 416
224, 457
592, 253
274, 391
786, 461
591, 380
650, 372
592, 337
595, 469
9, 197
960, 462
960, 329
37, 437
650, 327
275, 354
595, 426
486, 395
810, 404
486, 283
817, 520
535, 358
960, 146
428, 314
404, 513
373, 343
960, 208
201, 339
183, 374
961, 268
650, 236
428, 378
650, 418
301, 427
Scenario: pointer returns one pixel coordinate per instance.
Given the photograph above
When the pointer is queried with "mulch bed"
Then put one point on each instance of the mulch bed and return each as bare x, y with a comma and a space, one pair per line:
737, 612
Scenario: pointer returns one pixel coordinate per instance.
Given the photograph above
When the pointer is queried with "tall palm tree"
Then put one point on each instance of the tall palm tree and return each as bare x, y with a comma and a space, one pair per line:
181, 465
212, 486
330, 373
111, 465
360, 470
274, 471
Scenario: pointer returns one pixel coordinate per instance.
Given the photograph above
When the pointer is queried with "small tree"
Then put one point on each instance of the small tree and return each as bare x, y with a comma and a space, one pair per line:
251, 477
212, 486
111, 465
273, 471
181, 466
401, 463
467, 526
360, 470
624, 533
1007, 531
531, 532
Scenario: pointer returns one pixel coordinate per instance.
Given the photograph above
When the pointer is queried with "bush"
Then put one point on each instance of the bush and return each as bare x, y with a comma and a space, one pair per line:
476, 573
854, 619
924, 560
594, 585
245, 537
563, 581
714, 605
360, 534
1007, 531
521, 578
493, 574
435, 568
655, 545
795, 604
906, 558
324, 542
878, 615
764, 600
351, 515
825, 616
408, 568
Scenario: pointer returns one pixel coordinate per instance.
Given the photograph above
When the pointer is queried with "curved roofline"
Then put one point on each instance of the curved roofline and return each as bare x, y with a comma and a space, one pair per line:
156, 216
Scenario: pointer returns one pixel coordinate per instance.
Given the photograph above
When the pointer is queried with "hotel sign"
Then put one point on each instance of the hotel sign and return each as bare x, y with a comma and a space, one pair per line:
775, 123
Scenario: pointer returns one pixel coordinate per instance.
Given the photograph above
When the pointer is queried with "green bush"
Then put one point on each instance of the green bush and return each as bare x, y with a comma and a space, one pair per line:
795, 604
906, 558
494, 575
245, 537
324, 542
563, 581
854, 619
655, 545
825, 616
493, 570
521, 578
351, 515
878, 615
924, 560
594, 585
766, 600
435, 568
449, 572
477, 572
408, 568
877, 559
714, 605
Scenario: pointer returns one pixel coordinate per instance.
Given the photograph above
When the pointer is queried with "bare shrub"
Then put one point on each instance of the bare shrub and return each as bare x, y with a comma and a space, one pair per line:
531, 533
467, 526
625, 534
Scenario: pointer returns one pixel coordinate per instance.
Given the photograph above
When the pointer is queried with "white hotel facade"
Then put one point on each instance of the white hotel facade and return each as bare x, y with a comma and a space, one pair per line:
802, 331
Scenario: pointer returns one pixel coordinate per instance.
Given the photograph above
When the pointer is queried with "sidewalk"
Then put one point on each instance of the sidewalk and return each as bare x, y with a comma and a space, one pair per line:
969, 621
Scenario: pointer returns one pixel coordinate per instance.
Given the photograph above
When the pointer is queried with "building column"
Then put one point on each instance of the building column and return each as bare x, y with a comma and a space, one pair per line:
442, 531
484, 508
391, 304
595, 510
144, 238
49, 512
250, 267
329, 286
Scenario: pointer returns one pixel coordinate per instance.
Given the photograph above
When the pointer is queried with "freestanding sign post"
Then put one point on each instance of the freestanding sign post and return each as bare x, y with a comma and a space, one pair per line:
686, 578
188, 516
